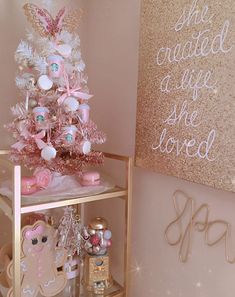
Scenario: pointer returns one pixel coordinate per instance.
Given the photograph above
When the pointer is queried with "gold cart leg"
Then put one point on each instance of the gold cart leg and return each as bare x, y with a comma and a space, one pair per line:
16, 231
128, 204
82, 216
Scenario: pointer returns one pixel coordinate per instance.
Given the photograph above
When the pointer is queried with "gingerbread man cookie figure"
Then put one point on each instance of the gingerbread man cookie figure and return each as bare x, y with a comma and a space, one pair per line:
5, 259
40, 261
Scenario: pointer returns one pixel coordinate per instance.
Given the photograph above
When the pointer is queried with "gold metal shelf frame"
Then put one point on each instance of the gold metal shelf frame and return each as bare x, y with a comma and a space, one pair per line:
14, 209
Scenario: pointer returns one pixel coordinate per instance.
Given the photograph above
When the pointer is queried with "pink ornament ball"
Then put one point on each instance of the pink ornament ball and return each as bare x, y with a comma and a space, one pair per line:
107, 234
95, 240
109, 243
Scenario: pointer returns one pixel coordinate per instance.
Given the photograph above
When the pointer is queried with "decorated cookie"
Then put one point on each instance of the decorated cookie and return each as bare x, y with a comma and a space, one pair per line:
40, 261
5, 259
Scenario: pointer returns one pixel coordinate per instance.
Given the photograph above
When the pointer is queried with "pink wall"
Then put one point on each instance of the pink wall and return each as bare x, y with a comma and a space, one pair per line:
113, 28
110, 35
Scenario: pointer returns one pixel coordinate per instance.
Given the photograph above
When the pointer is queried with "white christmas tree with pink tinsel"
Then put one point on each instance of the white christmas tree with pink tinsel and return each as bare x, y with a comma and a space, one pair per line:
52, 125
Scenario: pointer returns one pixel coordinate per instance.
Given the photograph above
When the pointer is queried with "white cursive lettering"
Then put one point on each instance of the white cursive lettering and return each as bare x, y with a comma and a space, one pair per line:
191, 148
193, 16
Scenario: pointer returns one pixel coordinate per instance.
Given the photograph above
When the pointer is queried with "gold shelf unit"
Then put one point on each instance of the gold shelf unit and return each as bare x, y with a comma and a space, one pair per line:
14, 209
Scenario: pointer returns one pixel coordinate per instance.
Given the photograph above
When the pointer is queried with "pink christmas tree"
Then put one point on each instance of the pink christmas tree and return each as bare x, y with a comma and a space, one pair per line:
52, 126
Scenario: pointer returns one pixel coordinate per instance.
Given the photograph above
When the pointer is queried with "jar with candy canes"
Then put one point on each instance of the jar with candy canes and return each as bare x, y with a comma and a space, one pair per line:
98, 237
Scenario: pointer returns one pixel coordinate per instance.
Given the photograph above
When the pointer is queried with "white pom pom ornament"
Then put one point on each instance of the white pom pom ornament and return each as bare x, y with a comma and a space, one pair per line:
71, 104
48, 153
85, 147
45, 83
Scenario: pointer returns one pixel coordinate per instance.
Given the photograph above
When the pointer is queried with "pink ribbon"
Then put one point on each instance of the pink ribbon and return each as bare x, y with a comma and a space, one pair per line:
38, 139
19, 145
75, 91
34, 232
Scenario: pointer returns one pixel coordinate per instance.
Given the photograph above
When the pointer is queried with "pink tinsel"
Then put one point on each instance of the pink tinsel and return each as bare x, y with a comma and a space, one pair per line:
35, 129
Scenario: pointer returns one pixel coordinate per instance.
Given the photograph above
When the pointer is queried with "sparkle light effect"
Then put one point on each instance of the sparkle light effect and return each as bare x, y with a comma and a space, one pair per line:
136, 268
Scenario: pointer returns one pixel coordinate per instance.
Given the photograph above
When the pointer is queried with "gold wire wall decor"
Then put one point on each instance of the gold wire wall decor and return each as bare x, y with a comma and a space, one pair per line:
190, 219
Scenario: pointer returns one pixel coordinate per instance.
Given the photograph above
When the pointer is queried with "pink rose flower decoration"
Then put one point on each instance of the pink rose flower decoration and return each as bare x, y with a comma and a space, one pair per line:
43, 176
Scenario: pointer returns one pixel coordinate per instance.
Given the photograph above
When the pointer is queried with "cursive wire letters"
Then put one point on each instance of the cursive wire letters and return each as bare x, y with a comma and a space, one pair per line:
198, 221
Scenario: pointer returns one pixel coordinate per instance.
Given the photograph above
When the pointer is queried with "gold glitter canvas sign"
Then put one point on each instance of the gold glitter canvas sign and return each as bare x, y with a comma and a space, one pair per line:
186, 92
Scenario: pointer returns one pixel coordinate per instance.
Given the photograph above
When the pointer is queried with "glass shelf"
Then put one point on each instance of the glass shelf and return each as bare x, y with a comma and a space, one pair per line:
6, 204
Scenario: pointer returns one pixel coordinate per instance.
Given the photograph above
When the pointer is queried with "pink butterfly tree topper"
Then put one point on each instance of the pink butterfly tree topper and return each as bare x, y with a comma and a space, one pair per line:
44, 24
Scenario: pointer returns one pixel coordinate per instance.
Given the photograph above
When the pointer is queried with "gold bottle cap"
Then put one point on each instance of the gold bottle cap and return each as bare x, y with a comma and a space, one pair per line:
98, 224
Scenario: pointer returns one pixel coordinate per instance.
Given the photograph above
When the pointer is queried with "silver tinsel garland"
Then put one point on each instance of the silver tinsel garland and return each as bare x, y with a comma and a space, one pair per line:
70, 230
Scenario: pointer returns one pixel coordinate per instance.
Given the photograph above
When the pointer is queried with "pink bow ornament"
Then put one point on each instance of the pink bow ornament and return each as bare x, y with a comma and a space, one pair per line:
75, 91
21, 144
37, 137
72, 92
31, 233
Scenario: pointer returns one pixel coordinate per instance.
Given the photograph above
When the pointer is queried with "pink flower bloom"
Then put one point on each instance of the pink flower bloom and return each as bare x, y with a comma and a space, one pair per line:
43, 176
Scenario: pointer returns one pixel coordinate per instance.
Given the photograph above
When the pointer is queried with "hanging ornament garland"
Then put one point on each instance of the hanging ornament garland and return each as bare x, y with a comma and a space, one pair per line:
70, 230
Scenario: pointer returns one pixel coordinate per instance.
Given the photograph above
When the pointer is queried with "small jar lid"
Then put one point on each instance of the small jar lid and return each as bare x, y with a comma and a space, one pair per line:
55, 57
40, 109
71, 128
98, 223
